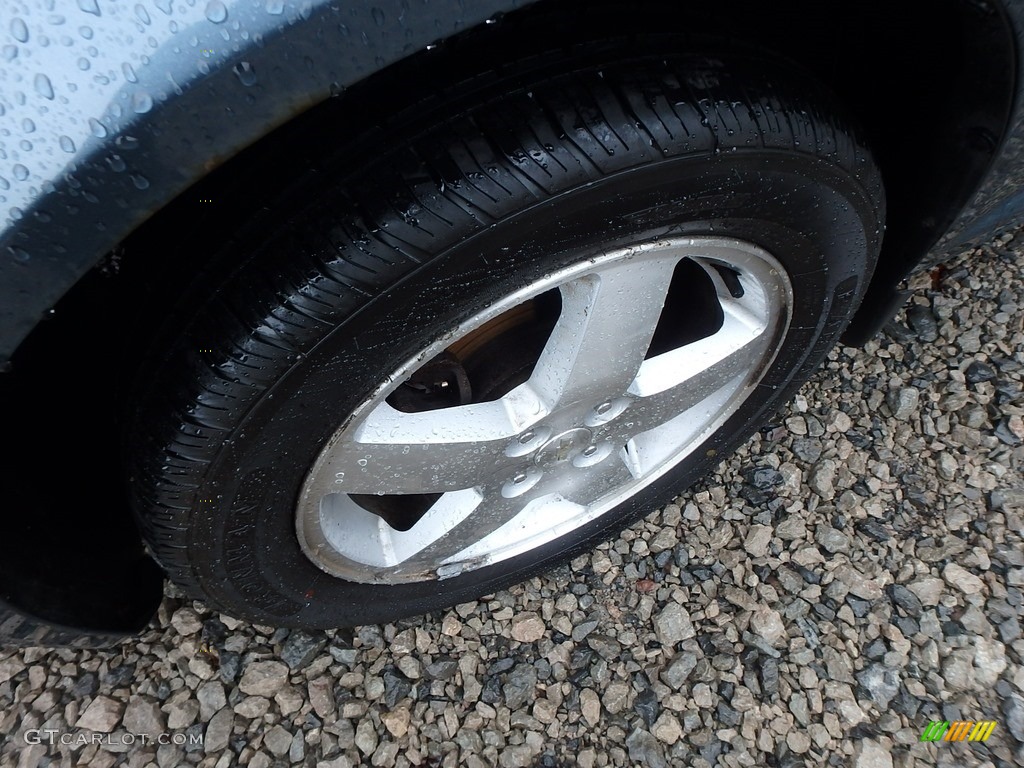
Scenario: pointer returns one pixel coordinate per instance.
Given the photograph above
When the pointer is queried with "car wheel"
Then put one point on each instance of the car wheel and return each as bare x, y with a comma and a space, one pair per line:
501, 338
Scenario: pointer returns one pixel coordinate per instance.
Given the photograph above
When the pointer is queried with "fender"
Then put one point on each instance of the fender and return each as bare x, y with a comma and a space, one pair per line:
108, 110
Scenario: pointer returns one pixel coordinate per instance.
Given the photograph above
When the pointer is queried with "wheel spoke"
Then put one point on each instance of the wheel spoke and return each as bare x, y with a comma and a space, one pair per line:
605, 328
428, 452
439, 541
677, 381
482, 530
353, 529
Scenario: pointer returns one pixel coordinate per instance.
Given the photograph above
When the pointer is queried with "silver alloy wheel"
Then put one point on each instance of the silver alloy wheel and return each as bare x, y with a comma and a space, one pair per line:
594, 424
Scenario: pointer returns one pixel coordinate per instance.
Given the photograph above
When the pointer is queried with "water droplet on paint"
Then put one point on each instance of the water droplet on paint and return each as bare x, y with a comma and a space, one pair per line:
43, 86
216, 11
19, 29
245, 73
142, 102
89, 6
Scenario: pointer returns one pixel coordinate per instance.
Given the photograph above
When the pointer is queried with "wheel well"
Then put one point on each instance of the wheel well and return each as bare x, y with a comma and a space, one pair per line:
930, 80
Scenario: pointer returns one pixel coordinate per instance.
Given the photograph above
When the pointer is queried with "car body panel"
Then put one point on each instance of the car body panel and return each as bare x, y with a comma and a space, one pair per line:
172, 88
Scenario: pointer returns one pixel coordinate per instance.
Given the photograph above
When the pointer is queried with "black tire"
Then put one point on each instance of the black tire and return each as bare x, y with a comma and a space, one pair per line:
382, 260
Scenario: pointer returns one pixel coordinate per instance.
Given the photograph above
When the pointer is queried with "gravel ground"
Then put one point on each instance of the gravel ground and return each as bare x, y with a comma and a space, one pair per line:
855, 571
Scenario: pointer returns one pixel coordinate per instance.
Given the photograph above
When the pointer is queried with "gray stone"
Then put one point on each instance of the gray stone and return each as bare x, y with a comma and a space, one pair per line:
143, 715
663, 541
1013, 708
677, 672
928, 590
962, 579
1009, 630
186, 622
590, 706
182, 714
521, 685
989, 661
870, 754
881, 683
584, 628
297, 751
607, 647
211, 700
645, 750
922, 321
767, 624
673, 625
1007, 498
831, 540
218, 732
821, 479
515, 756
263, 678
442, 668
807, 450
757, 540
102, 715
792, 528
527, 627
278, 741
301, 648
798, 741
616, 697
903, 402
366, 737
905, 599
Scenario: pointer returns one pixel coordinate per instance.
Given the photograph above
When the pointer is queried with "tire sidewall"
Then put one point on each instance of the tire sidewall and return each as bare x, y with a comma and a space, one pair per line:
815, 219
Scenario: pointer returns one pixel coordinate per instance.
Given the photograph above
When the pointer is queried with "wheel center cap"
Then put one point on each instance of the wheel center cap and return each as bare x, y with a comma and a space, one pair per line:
563, 447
